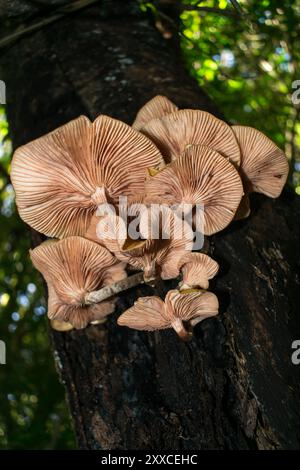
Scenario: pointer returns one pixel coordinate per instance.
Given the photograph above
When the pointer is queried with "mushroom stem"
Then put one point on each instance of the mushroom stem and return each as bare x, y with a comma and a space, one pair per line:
108, 291
178, 326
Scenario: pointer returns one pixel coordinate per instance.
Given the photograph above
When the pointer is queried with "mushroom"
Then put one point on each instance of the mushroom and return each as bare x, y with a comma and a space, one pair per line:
157, 107
197, 269
129, 207
72, 268
180, 311
61, 325
200, 177
62, 177
157, 255
264, 166
173, 133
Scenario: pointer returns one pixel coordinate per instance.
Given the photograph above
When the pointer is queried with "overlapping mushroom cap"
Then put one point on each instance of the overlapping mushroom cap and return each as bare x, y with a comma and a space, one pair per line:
73, 267
157, 254
151, 313
197, 269
174, 132
264, 166
62, 177
157, 107
200, 176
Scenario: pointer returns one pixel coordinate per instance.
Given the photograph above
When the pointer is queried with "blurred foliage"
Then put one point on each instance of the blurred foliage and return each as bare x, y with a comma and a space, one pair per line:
246, 55
247, 62
33, 412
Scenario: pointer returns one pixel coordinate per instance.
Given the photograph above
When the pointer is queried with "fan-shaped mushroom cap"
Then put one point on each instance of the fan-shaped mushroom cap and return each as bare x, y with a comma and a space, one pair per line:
200, 176
197, 269
191, 306
155, 256
62, 177
73, 267
157, 107
91, 233
151, 313
147, 314
264, 167
175, 132
132, 207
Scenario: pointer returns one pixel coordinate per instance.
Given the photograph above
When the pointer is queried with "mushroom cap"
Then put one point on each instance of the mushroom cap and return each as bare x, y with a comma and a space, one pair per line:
197, 269
155, 108
151, 313
200, 176
175, 238
174, 132
192, 306
73, 267
147, 313
112, 233
91, 233
155, 256
62, 177
264, 166
61, 325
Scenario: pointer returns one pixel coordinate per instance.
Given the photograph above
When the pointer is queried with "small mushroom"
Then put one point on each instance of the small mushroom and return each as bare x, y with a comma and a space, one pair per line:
180, 311
61, 178
197, 269
174, 132
264, 166
200, 177
157, 107
72, 268
157, 257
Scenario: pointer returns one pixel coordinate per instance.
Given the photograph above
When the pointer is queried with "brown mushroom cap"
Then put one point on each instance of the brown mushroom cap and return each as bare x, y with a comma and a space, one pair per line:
197, 269
193, 307
147, 314
156, 257
73, 267
62, 177
200, 176
176, 238
264, 167
157, 107
175, 132
151, 313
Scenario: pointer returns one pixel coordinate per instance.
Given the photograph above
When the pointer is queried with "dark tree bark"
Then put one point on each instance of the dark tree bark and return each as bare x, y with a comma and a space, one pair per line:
234, 386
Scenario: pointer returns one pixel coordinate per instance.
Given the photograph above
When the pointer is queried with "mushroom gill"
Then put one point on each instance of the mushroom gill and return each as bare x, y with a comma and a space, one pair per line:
180, 311
155, 108
72, 268
157, 253
264, 166
201, 178
197, 269
175, 132
62, 177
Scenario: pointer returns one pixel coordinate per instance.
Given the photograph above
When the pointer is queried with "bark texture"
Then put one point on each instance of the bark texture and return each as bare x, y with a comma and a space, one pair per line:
234, 386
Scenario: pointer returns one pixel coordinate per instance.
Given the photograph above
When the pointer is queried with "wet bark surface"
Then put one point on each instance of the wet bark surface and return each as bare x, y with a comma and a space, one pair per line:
234, 385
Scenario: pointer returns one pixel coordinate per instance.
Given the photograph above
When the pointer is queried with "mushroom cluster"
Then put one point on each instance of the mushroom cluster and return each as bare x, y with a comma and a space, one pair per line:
195, 170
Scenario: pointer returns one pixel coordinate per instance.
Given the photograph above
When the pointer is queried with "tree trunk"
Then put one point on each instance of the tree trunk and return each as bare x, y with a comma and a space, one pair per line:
233, 386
